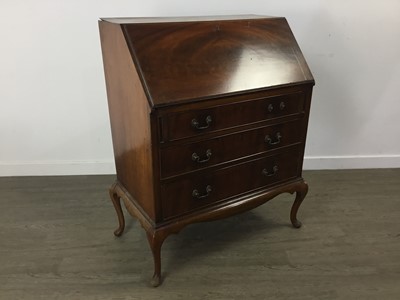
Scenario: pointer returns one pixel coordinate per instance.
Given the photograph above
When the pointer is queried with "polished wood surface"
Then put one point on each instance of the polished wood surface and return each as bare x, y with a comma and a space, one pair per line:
226, 148
188, 61
130, 119
127, 20
221, 117
209, 119
178, 196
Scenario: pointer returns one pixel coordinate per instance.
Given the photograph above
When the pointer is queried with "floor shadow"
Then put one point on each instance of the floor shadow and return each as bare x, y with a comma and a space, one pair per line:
203, 239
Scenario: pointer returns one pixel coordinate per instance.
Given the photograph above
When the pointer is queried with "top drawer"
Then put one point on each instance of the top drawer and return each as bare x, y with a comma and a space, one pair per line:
192, 123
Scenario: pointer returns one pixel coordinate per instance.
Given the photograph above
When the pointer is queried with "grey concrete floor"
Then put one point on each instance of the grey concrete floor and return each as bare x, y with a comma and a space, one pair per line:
56, 242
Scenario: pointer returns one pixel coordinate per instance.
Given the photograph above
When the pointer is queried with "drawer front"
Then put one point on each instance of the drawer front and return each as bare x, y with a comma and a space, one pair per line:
199, 155
194, 192
192, 123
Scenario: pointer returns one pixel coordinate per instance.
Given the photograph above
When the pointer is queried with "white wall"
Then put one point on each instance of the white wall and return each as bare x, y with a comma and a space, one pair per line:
53, 109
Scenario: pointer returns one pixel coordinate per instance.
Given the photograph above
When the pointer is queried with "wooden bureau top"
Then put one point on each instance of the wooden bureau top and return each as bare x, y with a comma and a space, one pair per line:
182, 60
125, 20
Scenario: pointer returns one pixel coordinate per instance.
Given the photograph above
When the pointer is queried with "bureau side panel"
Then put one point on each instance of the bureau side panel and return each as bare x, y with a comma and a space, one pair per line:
130, 118
307, 106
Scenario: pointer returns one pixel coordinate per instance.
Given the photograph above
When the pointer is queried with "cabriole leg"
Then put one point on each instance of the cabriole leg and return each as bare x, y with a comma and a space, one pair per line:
116, 200
156, 240
301, 192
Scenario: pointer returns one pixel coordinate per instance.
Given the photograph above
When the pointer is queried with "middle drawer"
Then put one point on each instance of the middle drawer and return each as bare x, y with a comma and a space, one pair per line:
184, 158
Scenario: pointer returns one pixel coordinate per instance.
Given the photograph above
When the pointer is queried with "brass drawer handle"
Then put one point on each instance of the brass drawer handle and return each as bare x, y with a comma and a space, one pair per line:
269, 140
196, 157
270, 173
197, 195
282, 106
196, 124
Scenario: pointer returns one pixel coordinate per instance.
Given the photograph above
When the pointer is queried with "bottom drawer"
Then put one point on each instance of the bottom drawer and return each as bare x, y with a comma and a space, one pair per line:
197, 191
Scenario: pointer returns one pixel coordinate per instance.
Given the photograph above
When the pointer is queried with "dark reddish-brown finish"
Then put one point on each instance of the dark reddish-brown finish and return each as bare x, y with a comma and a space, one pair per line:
225, 148
130, 119
208, 115
245, 177
232, 115
195, 60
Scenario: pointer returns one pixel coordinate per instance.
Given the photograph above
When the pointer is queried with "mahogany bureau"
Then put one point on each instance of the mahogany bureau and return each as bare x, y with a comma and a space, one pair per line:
208, 116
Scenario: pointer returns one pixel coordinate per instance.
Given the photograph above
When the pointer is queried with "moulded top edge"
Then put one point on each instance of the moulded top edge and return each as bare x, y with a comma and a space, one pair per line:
126, 20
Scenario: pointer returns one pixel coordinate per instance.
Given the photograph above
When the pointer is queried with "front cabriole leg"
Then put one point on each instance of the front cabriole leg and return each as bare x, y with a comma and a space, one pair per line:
156, 239
301, 192
116, 200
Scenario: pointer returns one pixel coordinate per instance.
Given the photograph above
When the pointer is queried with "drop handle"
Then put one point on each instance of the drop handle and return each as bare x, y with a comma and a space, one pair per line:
270, 173
278, 137
196, 193
196, 157
270, 106
196, 124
